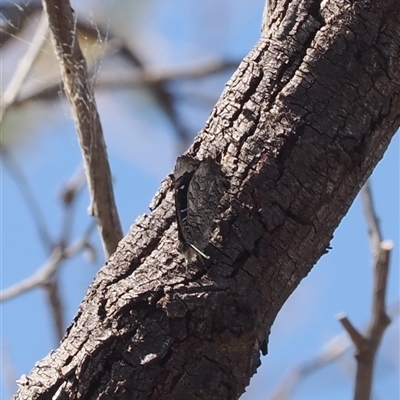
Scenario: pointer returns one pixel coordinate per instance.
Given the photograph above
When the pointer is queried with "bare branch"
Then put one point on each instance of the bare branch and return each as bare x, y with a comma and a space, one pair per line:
80, 94
371, 218
24, 66
9, 373
155, 75
154, 79
69, 193
160, 91
71, 188
48, 279
46, 271
142, 77
28, 197
367, 345
55, 304
380, 284
338, 346
358, 339
332, 351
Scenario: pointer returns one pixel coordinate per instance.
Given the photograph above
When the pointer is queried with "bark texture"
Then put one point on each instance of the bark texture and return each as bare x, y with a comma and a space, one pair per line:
298, 129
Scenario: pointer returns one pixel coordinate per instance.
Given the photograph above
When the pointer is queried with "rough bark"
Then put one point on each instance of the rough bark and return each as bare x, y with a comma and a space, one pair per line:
298, 129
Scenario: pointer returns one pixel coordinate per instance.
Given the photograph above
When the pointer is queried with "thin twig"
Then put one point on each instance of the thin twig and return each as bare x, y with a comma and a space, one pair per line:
332, 351
148, 76
155, 79
55, 304
69, 193
9, 373
155, 75
80, 94
24, 67
27, 195
47, 277
46, 271
372, 219
357, 338
367, 345
163, 97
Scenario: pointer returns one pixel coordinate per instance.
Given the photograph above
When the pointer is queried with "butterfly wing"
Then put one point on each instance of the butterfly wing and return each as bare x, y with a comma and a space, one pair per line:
185, 168
199, 186
204, 194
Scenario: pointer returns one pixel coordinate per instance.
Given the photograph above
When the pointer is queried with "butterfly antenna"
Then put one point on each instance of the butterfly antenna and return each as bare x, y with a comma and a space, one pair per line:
199, 251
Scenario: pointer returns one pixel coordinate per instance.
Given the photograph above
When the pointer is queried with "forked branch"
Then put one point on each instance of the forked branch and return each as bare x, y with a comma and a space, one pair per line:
367, 344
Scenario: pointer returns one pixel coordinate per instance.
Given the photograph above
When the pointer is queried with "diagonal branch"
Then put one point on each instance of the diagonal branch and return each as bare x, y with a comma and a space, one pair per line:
24, 66
80, 94
140, 77
29, 198
48, 269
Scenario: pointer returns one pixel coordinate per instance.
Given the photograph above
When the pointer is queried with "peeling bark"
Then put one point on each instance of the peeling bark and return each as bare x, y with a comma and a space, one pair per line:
298, 129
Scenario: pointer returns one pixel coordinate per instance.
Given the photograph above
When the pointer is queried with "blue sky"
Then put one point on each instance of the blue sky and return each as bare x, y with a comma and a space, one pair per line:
142, 151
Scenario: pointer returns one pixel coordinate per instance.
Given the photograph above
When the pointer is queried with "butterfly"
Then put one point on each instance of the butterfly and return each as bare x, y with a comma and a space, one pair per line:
199, 186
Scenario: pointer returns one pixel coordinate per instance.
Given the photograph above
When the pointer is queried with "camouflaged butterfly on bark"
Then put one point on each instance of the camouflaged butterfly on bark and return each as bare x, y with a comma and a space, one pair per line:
199, 186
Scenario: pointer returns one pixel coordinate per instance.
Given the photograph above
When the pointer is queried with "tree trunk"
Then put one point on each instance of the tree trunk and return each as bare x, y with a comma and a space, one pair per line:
298, 129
